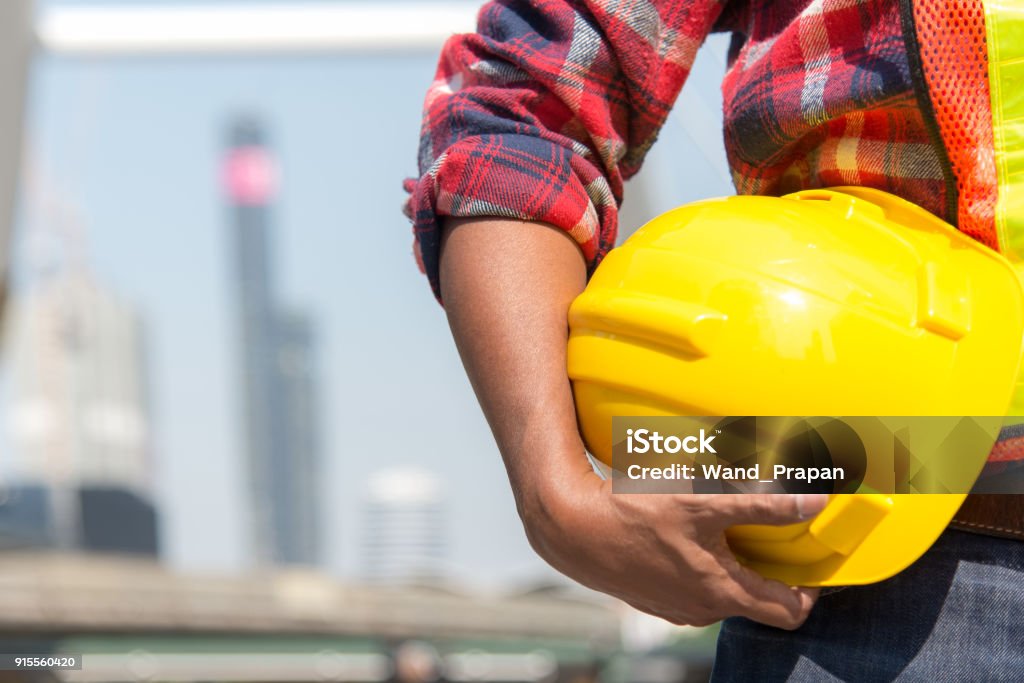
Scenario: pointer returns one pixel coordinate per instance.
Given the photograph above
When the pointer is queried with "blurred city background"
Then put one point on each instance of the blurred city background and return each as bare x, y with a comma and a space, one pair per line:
236, 440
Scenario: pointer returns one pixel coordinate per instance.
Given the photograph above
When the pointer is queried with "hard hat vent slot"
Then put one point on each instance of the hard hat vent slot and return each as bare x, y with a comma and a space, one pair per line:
851, 208
815, 196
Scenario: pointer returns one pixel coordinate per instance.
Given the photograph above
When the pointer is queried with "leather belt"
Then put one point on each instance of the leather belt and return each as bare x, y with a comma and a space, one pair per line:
992, 514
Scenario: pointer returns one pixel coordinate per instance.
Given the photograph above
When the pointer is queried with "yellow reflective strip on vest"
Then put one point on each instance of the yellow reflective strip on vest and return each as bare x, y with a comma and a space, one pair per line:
1004, 28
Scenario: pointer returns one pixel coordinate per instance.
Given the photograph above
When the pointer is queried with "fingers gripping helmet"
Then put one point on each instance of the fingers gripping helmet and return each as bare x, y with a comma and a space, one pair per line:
847, 301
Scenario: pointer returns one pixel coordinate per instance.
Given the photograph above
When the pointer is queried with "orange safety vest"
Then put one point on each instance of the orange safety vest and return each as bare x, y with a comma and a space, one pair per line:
970, 54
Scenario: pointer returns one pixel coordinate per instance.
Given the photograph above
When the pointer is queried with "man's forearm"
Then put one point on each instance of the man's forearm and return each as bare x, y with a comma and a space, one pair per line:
507, 286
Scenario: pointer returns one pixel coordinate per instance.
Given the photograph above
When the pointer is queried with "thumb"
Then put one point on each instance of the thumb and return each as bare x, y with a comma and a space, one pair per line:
766, 508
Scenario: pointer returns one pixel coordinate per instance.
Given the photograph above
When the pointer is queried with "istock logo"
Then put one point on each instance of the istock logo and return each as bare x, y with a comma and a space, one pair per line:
645, 441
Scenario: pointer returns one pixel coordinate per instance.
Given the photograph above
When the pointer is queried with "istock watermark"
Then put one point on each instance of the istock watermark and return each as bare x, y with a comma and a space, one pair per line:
646, 441
817, 454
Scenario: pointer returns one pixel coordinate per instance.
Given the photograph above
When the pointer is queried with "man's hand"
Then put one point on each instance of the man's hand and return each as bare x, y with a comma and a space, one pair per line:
507, 286
666, 554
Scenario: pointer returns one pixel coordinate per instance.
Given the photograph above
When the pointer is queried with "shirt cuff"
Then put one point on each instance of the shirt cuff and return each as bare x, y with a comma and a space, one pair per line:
511, 176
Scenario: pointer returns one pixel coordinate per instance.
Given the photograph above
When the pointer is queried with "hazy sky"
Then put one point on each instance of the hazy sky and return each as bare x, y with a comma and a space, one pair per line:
135, 146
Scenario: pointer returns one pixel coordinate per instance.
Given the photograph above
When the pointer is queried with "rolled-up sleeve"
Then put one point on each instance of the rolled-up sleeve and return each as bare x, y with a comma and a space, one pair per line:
543, 113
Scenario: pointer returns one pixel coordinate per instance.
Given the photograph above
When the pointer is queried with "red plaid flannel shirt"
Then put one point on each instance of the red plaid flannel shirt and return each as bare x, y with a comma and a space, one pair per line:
552, 104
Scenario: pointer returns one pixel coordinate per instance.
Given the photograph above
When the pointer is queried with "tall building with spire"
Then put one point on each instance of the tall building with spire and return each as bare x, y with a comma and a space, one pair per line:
278, 382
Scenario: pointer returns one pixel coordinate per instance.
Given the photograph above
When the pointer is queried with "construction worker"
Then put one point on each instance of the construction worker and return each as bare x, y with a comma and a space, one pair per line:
530, 128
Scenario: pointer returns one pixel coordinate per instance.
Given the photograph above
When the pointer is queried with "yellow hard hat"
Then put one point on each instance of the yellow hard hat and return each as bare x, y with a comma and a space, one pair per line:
847, 301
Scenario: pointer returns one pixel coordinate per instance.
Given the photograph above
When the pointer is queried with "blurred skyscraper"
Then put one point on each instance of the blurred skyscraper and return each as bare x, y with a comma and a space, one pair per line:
404, 527
277, 363
79, 476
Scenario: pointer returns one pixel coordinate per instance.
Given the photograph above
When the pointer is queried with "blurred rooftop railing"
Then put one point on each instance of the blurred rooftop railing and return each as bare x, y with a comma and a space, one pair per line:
61, 592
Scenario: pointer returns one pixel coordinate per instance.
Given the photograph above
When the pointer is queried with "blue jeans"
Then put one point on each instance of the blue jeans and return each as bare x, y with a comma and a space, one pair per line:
957, 614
